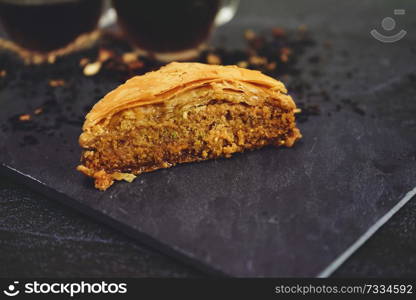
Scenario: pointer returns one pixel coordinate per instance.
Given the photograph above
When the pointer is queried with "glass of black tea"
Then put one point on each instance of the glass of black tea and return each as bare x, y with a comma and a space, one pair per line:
46, 25
172, 30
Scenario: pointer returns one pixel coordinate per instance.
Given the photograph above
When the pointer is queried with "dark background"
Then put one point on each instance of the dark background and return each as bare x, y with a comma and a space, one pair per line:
39, 237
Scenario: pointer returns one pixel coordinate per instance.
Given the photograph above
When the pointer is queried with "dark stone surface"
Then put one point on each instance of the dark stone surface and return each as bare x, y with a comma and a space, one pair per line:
41, 239
266, 213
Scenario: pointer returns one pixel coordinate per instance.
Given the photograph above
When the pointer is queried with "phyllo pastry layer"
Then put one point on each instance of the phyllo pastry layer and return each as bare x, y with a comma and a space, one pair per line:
184, 112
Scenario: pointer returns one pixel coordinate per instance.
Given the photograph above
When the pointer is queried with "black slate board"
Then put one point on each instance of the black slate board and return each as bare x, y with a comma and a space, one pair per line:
287, 212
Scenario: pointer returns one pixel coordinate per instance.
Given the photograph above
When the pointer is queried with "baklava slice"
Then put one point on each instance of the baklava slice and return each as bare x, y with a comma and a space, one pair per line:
184, 112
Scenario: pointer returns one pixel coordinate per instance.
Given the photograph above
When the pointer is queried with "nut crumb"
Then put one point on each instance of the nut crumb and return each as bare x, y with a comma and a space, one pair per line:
56, 82
3, 73
249, 35
271, 66
242, 64
213, 59
257, 60
92, 69
284, 54
134, 65
84, 61
38, 111
51, 58
25, 117
129, 57
105, 54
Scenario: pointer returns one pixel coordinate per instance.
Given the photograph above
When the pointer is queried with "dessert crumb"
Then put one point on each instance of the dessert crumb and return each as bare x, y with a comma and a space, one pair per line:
25, 117
84, 61
249, 35
213, 59
242, 64
105, 54
129, 57
38, 111
92, 69
56, 82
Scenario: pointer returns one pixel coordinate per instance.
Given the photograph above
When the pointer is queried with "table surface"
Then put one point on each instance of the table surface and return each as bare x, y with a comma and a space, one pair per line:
41, 238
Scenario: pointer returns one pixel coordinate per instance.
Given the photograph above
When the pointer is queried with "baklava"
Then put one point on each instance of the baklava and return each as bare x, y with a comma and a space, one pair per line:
184, 112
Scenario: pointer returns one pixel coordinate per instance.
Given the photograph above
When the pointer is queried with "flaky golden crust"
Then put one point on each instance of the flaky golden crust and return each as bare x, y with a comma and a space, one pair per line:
184, 112
175, 78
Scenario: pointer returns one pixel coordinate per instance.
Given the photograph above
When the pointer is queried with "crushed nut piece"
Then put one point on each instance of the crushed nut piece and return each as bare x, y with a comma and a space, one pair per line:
271, 66
213, 59
25, 117
84, 61
56, 82
257, 60
51, 58
92, 68
129, 57
105, 54
249, 35
38, 111
135, 65
242, 64
3, 73
285, 53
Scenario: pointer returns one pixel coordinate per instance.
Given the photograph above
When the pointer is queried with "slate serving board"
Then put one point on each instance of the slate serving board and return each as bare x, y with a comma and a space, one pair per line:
286, 212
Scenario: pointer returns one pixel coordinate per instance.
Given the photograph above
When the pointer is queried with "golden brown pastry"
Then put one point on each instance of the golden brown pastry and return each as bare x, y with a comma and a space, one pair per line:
183, 112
